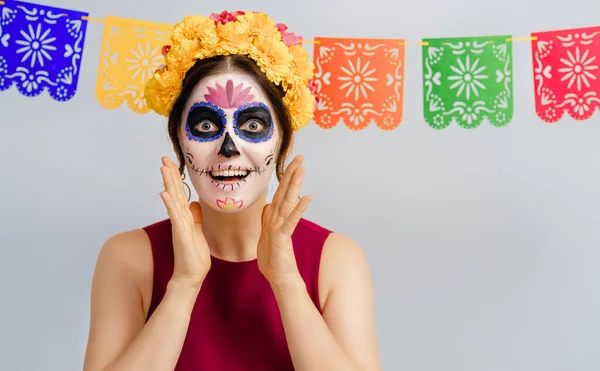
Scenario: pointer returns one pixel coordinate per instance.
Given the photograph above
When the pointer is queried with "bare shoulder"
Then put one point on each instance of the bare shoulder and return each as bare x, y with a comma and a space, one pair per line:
341, 252
342, 259
338, 246
129, 250
348, 300
120, 295
128, 256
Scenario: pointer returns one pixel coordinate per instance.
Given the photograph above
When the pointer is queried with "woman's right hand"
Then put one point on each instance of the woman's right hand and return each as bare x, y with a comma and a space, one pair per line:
190, 249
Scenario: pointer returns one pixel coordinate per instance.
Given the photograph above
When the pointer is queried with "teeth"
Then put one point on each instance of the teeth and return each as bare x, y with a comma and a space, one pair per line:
229, 173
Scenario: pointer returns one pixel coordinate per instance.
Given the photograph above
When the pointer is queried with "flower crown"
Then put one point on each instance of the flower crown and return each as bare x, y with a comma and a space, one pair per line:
278, 53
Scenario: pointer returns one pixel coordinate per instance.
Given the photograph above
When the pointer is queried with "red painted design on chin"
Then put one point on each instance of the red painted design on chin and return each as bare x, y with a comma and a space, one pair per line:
230, 95
230, 204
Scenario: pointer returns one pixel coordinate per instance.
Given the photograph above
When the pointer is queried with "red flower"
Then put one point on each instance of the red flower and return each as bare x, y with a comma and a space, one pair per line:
225, 16
288, 37
165, 49
313, 89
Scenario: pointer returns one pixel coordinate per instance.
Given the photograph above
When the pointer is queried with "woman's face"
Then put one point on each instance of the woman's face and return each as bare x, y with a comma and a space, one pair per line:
229, 139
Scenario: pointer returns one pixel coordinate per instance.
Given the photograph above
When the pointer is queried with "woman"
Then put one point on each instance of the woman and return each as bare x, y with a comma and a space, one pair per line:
231, 283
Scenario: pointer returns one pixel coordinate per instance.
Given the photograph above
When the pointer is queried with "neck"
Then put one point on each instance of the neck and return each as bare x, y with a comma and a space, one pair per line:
233, 236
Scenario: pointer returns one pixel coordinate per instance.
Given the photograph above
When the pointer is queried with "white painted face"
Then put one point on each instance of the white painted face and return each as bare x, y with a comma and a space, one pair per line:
229, 137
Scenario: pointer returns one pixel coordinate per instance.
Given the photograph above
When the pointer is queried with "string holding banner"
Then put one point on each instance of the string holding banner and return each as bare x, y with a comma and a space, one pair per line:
311, 41
467, 89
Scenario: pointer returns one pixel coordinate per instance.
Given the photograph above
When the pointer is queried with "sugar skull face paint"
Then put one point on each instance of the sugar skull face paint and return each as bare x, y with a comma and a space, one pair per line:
229, 138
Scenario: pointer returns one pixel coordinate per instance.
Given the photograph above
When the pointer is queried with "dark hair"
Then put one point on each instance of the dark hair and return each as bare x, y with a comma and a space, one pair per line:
209, 66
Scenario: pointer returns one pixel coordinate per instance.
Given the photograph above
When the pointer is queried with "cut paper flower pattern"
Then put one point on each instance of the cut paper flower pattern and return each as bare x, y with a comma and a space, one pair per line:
566, 69
41, 48
359, 82
142, 61
131, 52
467, 80
357, 79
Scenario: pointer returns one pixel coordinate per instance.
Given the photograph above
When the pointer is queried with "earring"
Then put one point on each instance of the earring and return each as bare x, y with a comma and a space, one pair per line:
189, 191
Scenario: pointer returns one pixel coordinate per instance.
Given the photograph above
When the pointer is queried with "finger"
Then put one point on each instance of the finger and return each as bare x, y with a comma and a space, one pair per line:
170, 187
172, 209
263, 216
292, 220
282, 187
293, 191
177, 182
181, 187
168, 181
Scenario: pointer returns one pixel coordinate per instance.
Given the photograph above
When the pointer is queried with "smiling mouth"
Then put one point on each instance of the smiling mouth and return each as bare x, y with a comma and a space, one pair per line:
228, 176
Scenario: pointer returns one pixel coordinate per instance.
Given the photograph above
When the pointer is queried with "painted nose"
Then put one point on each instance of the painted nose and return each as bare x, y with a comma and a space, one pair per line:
228, 148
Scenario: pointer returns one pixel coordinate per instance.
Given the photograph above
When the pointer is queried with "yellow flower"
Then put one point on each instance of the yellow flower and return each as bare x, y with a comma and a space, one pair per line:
301, 65
254, 24
195, 27
233, 30
233, 41
300, 103
251, 34
272, 56
162, 91
209, 43
179, 57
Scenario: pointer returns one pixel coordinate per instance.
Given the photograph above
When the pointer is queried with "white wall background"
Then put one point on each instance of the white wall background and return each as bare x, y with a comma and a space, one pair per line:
484, 244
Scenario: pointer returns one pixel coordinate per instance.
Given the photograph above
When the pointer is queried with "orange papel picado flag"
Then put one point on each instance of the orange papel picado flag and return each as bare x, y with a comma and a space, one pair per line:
360, 82
131, 52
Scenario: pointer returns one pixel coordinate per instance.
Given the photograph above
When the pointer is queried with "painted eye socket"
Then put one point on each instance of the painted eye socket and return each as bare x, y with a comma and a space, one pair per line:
253, 126
205, 122
253, 122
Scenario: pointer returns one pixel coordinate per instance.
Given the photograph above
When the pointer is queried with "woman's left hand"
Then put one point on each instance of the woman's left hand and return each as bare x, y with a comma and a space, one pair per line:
276, 259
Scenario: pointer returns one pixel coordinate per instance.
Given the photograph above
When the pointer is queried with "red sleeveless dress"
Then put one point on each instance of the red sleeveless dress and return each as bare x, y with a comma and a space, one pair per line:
235, 323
